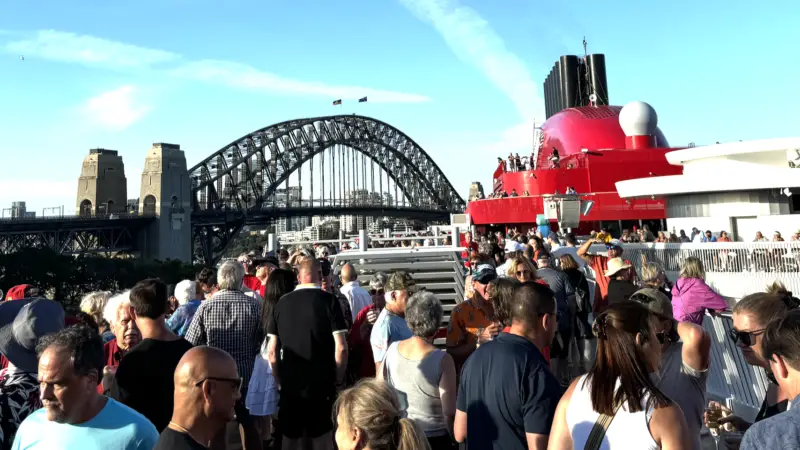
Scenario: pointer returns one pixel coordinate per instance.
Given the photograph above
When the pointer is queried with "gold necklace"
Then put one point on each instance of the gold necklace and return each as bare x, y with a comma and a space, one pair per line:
185, 431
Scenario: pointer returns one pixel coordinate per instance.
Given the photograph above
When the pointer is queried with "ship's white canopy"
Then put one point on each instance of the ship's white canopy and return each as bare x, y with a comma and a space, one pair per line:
736, 166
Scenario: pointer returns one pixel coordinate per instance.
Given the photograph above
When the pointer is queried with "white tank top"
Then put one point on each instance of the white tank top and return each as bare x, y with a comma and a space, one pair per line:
627, 430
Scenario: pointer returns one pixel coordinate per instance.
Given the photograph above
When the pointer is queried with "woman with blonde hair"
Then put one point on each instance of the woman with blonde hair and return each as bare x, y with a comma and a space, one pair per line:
368, 417
691, 296
93, 304
522, 269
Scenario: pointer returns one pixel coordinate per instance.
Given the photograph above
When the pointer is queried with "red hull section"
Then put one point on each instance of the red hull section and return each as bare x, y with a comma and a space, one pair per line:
593, 157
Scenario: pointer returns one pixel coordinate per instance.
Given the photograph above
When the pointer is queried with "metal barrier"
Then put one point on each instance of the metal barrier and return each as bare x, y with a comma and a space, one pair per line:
437, 269
726, 263
730, 379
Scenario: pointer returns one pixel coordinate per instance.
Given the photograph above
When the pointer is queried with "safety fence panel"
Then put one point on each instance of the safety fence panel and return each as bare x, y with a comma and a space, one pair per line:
733, 269
439, 270
730, 379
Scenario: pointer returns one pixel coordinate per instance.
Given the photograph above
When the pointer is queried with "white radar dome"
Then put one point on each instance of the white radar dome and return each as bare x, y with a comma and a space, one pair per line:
638, 119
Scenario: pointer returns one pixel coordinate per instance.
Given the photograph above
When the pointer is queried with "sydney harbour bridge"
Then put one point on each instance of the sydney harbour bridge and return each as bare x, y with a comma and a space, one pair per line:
247, 182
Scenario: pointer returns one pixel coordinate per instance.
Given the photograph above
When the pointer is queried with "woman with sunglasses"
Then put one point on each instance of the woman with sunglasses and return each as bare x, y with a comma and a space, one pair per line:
620, 391
522, 269
751, 315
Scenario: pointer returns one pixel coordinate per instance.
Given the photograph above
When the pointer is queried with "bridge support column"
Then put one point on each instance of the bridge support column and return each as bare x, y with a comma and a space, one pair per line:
165, 194
456, 237
387, 233
363, 240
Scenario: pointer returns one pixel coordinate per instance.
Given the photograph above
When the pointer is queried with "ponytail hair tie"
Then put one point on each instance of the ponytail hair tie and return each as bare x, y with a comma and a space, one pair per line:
599, 327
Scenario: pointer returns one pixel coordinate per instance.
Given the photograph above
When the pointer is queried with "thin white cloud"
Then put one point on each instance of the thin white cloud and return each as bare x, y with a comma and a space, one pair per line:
88, 50
116, 110
474, 41
517, 139
98, 52
242, 76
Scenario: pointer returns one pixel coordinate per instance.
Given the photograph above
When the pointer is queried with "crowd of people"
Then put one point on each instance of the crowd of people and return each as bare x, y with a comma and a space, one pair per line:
284, 352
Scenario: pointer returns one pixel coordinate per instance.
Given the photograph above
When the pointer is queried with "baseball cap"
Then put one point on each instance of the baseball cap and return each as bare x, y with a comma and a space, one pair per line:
614, 243
484, 273
513, 246
401, 281
656, 301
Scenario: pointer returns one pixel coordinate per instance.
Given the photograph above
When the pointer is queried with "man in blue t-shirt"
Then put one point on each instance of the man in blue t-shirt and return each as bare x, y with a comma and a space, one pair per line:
390, 326
507, 396
74, 415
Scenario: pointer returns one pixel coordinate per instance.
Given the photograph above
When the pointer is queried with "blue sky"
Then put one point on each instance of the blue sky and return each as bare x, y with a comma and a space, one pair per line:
461, 77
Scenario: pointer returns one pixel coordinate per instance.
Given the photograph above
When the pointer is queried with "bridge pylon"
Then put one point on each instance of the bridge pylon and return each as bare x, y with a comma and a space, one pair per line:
165, 194
102, 186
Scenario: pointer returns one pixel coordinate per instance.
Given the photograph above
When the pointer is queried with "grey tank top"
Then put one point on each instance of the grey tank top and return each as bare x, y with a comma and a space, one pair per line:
417, 387
686, 387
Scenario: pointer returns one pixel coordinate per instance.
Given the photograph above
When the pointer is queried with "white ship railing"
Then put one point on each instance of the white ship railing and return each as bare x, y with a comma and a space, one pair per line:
731, 380
733, 269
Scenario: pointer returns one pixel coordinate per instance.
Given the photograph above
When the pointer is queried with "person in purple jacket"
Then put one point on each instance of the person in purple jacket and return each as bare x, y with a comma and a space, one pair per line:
691, 296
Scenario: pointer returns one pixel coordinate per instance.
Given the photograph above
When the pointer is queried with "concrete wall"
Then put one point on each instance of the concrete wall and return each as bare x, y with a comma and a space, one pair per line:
741, 213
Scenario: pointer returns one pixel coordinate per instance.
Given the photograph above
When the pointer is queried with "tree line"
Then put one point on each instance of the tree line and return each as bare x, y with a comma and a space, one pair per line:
67, 279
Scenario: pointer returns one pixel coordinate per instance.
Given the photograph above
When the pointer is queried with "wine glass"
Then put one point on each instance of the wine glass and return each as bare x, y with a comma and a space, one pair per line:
714, 414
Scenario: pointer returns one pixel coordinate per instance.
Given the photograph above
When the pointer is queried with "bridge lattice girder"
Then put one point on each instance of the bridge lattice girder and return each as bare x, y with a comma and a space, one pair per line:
246, 174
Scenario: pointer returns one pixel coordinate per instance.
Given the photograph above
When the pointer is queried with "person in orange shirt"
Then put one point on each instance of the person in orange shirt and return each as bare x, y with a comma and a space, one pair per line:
599, 264
473, 322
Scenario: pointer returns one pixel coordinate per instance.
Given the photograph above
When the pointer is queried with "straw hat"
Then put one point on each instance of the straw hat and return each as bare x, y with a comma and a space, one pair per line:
615, 265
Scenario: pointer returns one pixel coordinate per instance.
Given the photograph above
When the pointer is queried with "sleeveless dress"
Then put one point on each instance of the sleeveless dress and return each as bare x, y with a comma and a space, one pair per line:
627, 430
262, 392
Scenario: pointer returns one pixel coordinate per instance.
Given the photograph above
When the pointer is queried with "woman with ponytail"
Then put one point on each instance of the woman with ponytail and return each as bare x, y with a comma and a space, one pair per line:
618, 404
368, 417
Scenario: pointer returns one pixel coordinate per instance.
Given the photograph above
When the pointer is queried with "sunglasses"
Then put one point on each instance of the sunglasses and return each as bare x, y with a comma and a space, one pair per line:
661, 336
523, 272
234, 382
376, 292
744, 338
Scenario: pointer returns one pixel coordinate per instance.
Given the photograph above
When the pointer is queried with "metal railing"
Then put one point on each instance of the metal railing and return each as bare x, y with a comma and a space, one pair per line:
730, 379
75, 217
733, 269
439, 270
438, 239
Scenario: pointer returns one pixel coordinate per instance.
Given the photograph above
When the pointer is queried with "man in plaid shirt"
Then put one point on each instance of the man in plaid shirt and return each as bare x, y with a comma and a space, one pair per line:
230, 321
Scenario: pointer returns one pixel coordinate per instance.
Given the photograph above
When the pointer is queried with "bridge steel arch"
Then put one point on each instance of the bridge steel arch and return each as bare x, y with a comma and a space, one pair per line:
242, 178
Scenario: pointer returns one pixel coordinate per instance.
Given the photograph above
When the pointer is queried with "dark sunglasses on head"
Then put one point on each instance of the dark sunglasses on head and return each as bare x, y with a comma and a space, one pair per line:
745, 338
234, 382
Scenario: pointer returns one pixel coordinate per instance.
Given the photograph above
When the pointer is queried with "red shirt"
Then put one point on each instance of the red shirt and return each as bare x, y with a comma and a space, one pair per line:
252, 282
112, 356
361, 348
599, 265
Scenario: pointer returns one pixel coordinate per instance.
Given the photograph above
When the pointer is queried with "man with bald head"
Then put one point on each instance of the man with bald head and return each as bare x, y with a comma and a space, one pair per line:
307, 351
352, 290
207, 385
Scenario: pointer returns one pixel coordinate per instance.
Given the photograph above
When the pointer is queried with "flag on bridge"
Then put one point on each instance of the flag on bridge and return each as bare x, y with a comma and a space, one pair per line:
362, 100
337, 102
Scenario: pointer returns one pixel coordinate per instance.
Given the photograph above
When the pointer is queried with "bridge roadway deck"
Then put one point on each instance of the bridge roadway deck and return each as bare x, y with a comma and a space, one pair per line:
54, 223
264, 216
106, 234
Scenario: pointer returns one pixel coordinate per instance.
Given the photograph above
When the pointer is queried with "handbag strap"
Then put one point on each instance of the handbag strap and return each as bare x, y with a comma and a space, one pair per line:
599, 429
